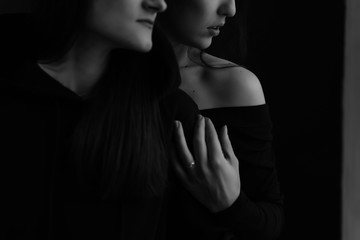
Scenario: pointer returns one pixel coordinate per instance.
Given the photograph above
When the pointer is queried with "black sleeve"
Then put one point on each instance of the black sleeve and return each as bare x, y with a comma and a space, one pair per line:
258, 211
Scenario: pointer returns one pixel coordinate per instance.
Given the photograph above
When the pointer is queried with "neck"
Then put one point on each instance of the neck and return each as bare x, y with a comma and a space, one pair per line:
82, 66
182, 52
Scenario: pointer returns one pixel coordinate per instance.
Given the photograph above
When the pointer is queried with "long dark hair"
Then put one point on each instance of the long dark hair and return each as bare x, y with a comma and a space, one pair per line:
119, 144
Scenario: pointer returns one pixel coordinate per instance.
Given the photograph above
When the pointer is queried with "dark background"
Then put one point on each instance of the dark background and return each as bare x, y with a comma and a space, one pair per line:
9, 6
296, 50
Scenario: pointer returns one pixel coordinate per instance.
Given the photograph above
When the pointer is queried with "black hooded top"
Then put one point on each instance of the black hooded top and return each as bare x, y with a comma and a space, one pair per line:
41, 199
39, 115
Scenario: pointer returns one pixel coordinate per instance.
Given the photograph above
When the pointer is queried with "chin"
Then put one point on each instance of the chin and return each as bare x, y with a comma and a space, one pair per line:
139, 40
147, 47
142, 46
206, 45
202, 43
143, 43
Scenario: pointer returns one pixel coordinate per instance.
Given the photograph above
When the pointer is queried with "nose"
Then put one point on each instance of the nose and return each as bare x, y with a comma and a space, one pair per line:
155, 6
227, 8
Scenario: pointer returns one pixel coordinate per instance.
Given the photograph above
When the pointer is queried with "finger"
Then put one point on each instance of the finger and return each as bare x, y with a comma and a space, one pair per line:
181, 173
183, 150
215, 153
200, 149
226, 145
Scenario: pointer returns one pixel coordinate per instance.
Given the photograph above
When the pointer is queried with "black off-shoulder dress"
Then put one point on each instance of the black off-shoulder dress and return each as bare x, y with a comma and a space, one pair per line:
258, 211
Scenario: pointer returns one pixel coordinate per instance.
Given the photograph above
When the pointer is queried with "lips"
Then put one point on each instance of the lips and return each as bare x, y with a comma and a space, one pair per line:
147, 22
217, 27
215, 30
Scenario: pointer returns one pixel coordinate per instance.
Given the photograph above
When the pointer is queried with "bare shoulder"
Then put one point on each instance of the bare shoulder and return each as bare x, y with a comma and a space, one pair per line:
242, 87
234, 85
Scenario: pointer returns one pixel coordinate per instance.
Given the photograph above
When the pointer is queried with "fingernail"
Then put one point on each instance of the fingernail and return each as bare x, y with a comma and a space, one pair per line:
200, 117
177, 124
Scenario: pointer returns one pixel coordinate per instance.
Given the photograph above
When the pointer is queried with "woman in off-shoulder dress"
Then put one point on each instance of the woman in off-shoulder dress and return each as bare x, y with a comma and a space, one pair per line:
232, 97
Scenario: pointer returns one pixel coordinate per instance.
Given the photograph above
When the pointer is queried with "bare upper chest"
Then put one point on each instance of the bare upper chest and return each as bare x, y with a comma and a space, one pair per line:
204, 87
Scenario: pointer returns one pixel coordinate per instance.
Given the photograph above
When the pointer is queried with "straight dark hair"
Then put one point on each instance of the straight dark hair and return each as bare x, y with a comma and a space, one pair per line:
119, 144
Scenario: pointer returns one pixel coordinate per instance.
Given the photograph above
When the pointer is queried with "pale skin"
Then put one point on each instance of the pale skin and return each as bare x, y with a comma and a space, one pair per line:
110, 24
211, 173
215, 181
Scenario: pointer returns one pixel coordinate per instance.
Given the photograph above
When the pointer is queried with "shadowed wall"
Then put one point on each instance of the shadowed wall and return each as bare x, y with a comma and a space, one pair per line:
351, 135
296, 50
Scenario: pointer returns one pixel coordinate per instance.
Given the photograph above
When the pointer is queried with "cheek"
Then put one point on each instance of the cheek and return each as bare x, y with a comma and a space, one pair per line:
109, 17
185, 24
121, 32
115, 22
111, 26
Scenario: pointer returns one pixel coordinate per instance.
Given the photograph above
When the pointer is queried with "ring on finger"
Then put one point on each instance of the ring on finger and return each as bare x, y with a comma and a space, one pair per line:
191, 165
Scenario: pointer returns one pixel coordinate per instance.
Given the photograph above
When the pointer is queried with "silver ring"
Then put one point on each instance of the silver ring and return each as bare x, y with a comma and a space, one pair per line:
191, 165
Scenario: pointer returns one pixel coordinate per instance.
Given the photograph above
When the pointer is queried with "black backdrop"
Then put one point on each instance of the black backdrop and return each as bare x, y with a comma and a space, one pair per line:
296, 50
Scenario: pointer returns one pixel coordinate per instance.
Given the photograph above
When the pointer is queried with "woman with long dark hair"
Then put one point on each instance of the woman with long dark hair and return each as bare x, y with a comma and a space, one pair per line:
87, 117
251, 205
